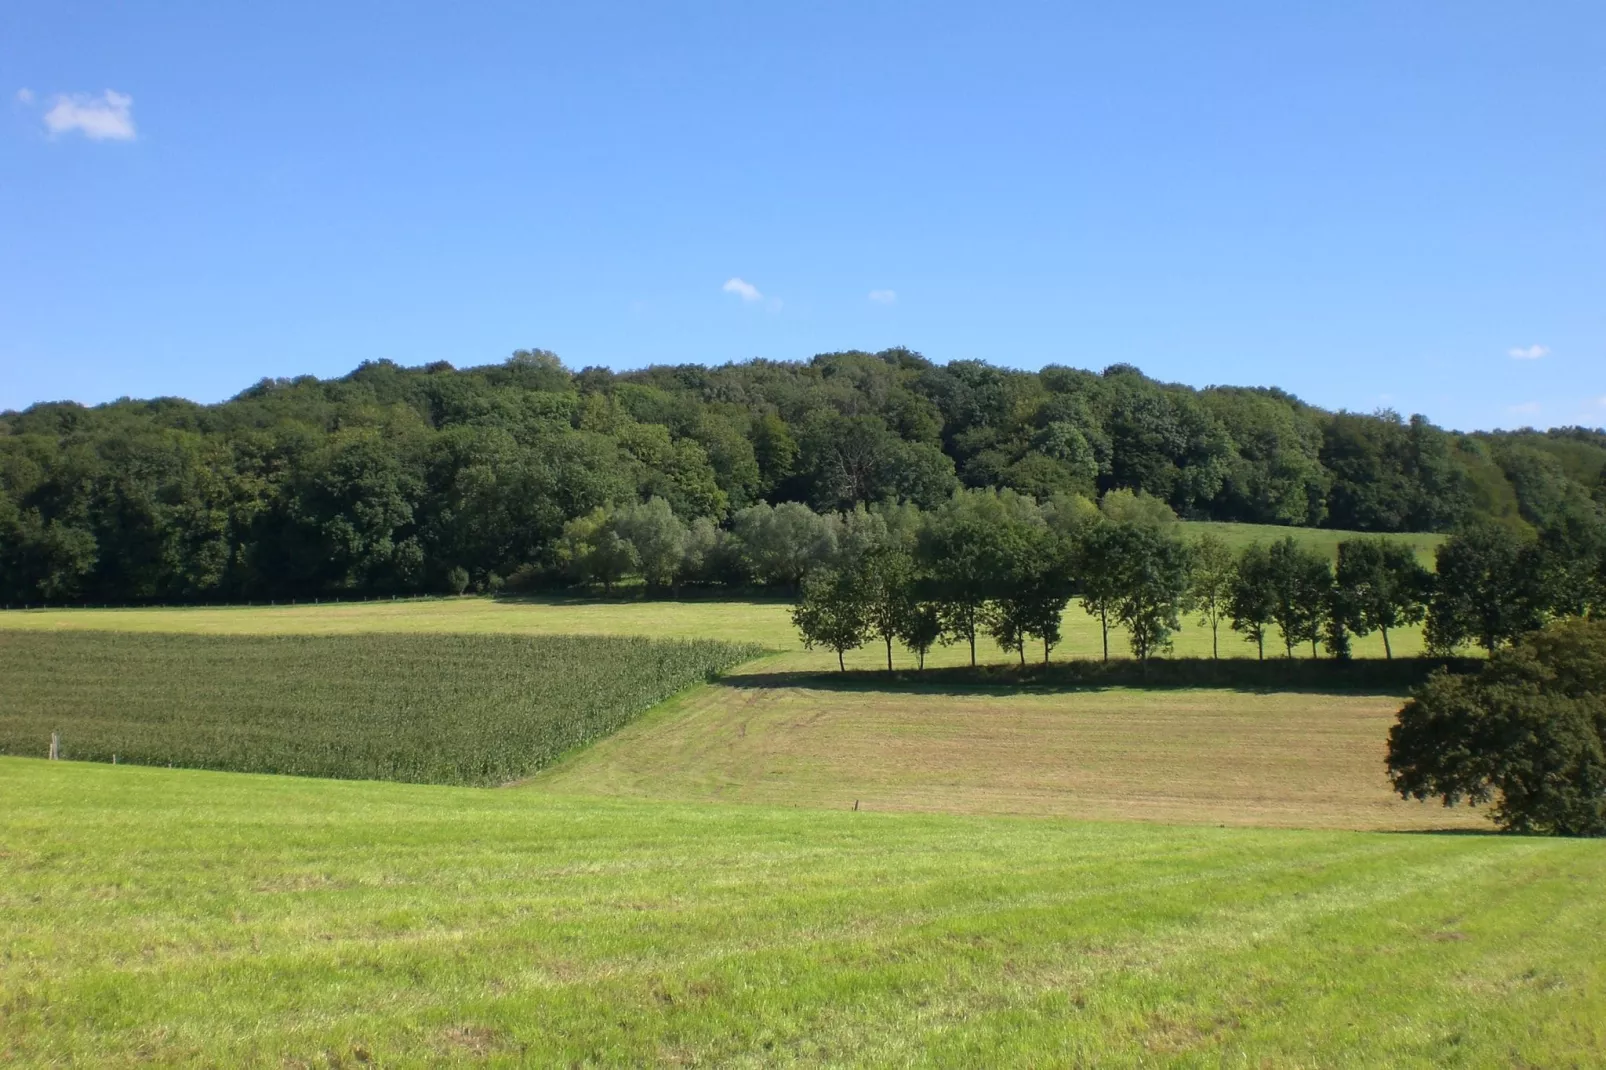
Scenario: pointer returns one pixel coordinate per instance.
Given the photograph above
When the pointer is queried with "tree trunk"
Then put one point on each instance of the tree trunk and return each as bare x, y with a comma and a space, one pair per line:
839, 663
1388, 652
1022, 650
1104, 626
1045, 650
1215, 639
889, 653
922, 661
1260, 641
972, 647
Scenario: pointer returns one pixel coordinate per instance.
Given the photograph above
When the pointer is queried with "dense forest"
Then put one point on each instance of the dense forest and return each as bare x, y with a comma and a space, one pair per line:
392, 480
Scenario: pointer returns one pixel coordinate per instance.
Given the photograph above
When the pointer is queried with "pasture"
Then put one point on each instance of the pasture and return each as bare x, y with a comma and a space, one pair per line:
184, 917
1322, 540
1184, 756
766, 623
456, 709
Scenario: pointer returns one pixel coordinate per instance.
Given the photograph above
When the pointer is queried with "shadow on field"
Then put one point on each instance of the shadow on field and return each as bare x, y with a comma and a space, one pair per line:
1323, 677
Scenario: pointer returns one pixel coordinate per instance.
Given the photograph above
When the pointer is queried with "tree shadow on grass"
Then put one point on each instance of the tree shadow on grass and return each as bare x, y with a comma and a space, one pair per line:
1325, 677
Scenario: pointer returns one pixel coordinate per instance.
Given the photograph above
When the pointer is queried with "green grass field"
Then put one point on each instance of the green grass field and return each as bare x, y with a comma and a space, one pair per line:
697, 889
766, 623
182, 917
1189, 756
1322, 540
451, 709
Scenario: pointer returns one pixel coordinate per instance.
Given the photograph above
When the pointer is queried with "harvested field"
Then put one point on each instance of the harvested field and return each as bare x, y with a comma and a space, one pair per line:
1200, 756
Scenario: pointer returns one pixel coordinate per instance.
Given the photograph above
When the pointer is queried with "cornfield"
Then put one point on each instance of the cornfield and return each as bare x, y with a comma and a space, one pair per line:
445, 709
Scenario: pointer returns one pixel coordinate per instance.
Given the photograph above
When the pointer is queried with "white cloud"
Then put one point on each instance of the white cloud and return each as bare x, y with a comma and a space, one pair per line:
743, 289
1527, 408
883, 297
108, 117
1533, 352
25, 95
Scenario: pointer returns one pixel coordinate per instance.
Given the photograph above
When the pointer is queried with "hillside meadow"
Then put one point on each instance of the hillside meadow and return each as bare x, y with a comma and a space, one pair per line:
1214, 756
764, 622
195, 918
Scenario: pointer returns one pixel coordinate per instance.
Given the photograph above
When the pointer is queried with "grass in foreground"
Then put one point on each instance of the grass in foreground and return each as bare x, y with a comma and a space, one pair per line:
767, 624
464, 709
1209, 756
169, 916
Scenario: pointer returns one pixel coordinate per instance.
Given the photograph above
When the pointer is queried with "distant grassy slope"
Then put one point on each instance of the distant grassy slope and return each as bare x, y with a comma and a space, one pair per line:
767, 623
463, 709
169, 916
1227, 757
1321, 540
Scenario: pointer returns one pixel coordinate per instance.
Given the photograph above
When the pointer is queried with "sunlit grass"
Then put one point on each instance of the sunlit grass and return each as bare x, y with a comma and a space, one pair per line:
149, 915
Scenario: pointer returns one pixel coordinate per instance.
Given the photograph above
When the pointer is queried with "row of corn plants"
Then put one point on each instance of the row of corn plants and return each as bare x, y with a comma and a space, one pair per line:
446, 709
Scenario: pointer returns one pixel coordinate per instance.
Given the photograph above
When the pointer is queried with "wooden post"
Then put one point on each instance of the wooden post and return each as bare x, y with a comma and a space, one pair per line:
55, 746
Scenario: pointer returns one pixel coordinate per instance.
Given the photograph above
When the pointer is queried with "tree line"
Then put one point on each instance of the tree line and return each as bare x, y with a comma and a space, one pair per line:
396, 480
1000, 565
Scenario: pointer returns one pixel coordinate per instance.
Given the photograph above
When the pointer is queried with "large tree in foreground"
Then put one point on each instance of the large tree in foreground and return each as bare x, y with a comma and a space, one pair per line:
1528, 734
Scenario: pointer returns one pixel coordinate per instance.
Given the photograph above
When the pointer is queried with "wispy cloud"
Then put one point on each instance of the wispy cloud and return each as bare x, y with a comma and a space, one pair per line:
107, 117
1527, 408
25, 95
743, 289
1533, 352
884, 297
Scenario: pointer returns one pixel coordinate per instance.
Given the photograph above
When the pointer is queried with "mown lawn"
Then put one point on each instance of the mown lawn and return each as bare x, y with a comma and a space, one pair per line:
171, 916
1299, 760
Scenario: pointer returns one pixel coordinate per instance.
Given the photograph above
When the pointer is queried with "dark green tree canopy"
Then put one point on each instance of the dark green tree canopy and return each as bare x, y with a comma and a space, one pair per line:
1527, 734
384, 480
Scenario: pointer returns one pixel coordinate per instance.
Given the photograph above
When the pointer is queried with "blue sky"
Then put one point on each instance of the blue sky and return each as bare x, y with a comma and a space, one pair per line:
1367, 204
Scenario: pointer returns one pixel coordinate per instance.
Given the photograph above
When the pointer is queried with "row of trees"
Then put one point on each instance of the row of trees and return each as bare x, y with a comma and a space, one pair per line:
997, 565
394, 480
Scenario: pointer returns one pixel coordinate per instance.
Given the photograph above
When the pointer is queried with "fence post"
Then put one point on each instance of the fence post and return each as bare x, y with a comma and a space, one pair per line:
55, 746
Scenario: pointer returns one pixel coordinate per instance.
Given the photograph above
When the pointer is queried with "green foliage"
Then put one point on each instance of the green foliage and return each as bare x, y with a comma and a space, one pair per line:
1097, 569
1212, 574
658, 537
1527, 733
1489, 590
968, 549
1124, 506
883, 581
1300, 583
446, 709
1383, 588
381, 481
1253, 602
782, 543
832, 613
1152, 584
